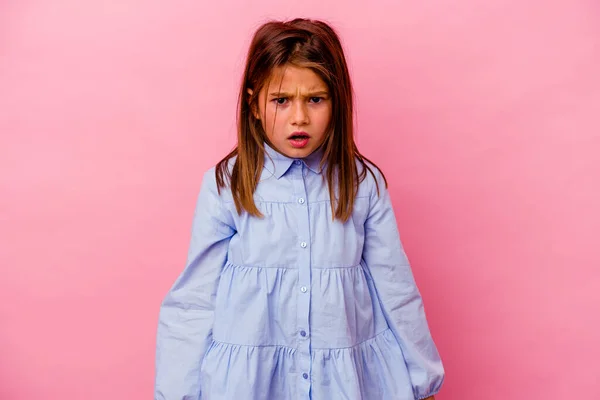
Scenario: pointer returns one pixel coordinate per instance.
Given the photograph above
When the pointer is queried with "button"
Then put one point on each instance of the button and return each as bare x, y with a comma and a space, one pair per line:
303, 244
301, 200
303, 333
303, 289
305, 375
297, 162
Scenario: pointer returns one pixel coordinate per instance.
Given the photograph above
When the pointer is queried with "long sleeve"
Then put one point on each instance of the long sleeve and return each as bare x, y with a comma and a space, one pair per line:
402, 304
186, 313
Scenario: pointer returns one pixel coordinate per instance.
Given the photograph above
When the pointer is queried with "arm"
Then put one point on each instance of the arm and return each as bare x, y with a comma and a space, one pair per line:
399, 296
186, 313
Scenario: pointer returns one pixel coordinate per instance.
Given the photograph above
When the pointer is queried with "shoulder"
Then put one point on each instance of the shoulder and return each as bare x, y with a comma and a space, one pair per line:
209, 187
219, 173
209, 179
373, 181
211, 202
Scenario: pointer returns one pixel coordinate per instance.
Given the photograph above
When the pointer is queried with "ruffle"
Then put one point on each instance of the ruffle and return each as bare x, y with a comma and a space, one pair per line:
258, 306
367, 371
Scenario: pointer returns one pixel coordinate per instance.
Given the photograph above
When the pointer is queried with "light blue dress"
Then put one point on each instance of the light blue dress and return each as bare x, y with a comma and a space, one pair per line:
295, 305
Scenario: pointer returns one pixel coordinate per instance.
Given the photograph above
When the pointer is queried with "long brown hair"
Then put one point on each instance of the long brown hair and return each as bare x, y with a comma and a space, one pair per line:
304, 43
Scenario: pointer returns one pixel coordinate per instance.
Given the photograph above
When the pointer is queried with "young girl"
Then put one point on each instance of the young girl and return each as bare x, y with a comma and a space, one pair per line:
296, 284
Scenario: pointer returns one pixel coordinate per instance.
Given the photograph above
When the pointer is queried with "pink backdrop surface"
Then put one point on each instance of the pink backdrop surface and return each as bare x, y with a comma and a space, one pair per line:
484, 115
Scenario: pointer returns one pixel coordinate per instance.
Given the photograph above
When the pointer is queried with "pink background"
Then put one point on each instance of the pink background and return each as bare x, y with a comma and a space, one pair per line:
483, 114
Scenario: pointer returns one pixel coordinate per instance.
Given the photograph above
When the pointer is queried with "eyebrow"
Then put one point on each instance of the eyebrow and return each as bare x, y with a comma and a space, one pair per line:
311, 94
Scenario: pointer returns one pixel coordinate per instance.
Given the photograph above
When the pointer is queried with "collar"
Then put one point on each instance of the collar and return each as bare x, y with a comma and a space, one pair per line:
282, 163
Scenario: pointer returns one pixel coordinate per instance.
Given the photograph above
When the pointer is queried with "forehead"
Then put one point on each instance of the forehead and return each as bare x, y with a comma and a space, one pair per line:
292, 78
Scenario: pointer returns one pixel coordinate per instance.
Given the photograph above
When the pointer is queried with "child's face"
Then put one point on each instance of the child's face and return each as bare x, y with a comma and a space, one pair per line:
295, 111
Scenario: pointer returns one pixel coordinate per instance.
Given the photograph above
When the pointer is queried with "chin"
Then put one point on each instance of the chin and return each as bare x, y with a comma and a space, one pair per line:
299, 153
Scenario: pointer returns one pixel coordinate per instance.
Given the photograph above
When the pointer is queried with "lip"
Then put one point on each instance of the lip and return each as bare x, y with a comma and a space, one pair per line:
299, 133
300, 143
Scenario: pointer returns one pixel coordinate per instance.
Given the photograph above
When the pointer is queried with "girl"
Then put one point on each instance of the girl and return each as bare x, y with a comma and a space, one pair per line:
296, 284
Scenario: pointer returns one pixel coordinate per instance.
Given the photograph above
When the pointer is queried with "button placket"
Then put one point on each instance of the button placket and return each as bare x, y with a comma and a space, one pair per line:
304, 277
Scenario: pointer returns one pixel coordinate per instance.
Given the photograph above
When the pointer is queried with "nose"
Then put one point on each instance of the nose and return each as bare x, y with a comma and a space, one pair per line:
299, 114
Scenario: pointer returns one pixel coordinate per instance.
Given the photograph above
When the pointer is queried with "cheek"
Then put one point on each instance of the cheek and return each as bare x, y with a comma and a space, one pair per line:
279, 117
273, 121
323, 117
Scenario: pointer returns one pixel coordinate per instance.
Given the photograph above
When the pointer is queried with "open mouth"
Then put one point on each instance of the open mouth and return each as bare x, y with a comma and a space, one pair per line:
299, 139
299, 136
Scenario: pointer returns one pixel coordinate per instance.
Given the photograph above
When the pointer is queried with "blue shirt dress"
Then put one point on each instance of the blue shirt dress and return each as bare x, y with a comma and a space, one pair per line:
295, 305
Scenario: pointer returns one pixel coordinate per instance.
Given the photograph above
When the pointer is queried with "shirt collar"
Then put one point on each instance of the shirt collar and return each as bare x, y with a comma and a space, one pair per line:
282, 163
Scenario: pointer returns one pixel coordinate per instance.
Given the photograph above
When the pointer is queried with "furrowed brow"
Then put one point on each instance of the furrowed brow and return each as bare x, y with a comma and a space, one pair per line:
311, 94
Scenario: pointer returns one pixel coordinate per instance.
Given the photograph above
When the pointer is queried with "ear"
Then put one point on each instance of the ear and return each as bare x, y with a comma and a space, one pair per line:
253, 106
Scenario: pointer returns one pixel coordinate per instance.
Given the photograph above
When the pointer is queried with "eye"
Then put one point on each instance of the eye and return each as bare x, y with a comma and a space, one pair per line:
316, 99
280, 100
